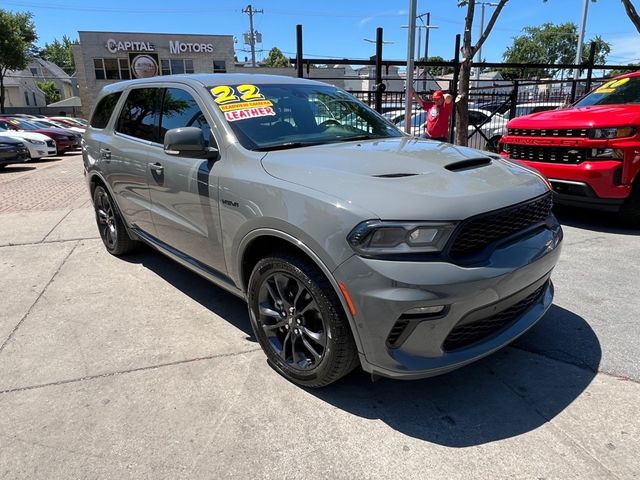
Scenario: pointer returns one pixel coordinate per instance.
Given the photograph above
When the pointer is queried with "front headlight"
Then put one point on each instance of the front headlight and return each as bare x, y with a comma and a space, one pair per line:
35, 142
375, 237
608, 133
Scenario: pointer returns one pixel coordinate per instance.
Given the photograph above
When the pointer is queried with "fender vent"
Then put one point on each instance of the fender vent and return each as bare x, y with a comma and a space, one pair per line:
468, 164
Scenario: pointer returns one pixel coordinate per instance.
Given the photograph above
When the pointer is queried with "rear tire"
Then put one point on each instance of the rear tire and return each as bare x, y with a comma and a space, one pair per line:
299, 322
110, 224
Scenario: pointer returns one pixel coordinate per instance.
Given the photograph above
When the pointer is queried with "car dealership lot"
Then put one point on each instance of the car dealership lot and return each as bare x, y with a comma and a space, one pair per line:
138, 368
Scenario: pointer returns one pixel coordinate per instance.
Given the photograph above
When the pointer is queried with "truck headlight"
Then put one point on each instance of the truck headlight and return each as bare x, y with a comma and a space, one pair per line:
615, 132
376, 237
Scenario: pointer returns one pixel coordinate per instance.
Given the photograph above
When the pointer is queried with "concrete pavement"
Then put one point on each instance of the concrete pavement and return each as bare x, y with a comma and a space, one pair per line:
138, 368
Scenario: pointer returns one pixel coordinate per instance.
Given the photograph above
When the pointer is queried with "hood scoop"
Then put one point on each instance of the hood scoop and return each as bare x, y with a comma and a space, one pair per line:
468, 164
395, 175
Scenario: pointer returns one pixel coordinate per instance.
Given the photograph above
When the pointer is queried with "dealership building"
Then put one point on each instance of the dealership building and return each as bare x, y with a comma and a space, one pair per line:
107, 57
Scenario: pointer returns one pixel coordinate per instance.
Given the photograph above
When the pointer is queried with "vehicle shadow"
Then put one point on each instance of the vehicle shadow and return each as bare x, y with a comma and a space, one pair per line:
507, 394
10, 169
605, 222
45, 160
217, 300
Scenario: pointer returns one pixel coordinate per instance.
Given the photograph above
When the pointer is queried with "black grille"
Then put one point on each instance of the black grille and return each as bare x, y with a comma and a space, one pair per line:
50, 143
470, 333
396, 331
551, 132
564, 155
479, 232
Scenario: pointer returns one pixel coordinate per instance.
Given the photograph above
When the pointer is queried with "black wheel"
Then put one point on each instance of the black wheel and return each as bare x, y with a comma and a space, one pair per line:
630, 212
2, 167
111, 227
298, 321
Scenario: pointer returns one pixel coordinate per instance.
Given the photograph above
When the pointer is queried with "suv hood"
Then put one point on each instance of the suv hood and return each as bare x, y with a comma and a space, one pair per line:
406, 178
598, 116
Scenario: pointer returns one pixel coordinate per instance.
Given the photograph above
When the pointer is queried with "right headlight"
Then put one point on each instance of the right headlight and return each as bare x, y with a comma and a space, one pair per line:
608, 133
375, 237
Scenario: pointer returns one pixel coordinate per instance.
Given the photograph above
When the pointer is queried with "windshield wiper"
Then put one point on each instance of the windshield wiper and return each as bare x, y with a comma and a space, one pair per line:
286, 146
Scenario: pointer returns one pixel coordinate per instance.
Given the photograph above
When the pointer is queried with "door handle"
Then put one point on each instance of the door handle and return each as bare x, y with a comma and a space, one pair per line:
157, 168
105, 154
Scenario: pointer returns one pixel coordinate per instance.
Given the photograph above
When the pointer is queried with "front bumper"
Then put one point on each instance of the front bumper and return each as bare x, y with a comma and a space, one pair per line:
383, 291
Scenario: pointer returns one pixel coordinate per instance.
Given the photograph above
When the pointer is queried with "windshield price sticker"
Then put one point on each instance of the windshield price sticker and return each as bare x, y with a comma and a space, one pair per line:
611, 86
235, 115
242, 102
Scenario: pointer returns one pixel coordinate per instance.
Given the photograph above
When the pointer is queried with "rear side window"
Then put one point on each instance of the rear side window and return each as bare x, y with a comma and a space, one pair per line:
179, 109
140, 114
104, 110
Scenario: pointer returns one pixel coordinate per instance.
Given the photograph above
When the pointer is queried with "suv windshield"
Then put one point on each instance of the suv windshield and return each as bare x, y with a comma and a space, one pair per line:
616, 92
279, 116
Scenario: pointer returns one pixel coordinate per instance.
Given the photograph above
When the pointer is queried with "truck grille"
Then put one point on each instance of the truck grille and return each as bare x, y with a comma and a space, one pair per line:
464, 335
556, 132
564, 155
479, 232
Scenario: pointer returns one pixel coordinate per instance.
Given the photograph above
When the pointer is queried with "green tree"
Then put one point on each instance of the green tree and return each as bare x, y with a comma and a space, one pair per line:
615, 73
437, 70
550, 44
51, 93
276, 58
17, 37
61, 53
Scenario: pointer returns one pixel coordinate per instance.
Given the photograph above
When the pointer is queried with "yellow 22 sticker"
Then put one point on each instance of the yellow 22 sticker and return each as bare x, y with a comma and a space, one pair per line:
611, 86
224, 94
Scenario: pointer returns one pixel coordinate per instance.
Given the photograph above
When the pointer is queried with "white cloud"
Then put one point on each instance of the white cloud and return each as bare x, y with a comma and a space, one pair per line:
624, 49
365, 20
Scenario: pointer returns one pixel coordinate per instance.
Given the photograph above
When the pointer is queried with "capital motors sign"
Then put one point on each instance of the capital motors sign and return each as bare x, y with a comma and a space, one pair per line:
177, 47
115, 46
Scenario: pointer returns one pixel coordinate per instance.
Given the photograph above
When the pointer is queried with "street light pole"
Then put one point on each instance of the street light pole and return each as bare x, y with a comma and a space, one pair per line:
479, 57
427, 27
411, 38
585, 9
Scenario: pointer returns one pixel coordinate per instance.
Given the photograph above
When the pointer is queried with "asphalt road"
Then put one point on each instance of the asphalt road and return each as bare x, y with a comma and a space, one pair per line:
137, 368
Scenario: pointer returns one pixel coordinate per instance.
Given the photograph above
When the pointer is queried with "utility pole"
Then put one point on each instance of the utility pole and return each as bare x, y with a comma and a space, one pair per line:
585, 9
411, 42
479, 58
252, 34
426, 26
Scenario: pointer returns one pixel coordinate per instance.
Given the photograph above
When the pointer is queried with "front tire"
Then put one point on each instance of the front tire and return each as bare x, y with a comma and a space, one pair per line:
110, 225
299, 322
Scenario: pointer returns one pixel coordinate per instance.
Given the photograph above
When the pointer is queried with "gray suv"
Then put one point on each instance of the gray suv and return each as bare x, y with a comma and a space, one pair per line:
352, 243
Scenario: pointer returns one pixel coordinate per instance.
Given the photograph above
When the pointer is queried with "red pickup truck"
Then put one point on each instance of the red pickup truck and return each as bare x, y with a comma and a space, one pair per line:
590, 151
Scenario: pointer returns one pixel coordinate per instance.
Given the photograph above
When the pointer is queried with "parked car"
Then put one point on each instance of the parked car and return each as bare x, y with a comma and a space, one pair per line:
352, 243
46, 123
492, 125
64, 140
39, 145
69, 122
12, 150
589, 151
535, 107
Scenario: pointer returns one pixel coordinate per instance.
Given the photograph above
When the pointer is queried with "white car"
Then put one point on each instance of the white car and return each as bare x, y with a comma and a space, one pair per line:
39, 145
491, 126
528, 108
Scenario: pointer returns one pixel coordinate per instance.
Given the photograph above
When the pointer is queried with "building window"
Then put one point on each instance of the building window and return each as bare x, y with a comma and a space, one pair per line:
176, 65
111, 68
26, 97
219, 66
35, 102
125, 73
35, 71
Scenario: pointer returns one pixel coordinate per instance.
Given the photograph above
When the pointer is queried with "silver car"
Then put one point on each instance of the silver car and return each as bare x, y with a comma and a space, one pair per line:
352, 243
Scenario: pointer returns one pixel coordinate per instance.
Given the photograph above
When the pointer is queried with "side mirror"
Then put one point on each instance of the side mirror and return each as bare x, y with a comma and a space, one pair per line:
188, 142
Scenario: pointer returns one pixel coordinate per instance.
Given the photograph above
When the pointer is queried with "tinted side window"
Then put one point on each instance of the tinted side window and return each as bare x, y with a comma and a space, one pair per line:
179, 109
140, 114
104, 110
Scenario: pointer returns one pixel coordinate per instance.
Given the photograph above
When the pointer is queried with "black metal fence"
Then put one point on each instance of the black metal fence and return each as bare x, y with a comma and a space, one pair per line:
492, 101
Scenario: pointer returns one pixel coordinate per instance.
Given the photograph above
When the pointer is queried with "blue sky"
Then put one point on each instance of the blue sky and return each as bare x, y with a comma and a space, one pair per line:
331, 28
